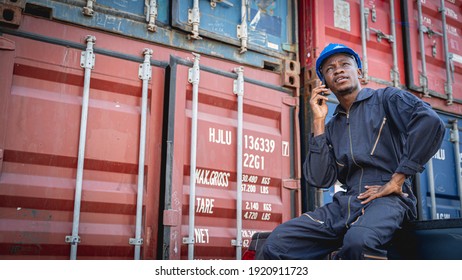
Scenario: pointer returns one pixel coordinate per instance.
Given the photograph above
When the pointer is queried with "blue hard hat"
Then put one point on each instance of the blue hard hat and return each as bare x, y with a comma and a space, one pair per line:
330, 50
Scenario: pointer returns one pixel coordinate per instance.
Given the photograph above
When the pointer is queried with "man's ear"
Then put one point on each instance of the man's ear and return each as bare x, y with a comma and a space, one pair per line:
360, 73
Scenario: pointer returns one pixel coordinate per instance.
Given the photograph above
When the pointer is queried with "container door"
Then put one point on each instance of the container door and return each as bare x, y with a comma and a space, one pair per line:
445, 177
269, 184
7, 52
132, 10
133, 19
434, 50
268, 22
40, 104
129, 17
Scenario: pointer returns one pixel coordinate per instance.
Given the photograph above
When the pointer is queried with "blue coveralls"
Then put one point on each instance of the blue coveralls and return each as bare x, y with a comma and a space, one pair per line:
386, 131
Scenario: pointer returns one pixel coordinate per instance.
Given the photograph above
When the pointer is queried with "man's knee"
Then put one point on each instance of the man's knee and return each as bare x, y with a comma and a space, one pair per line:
269, 252
360, 243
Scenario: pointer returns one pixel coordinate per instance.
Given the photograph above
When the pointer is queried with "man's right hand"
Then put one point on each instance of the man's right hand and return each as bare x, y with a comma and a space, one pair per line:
319, 108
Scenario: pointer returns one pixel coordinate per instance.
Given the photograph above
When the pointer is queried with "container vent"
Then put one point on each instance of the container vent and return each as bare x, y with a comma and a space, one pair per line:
39, 11
271, 66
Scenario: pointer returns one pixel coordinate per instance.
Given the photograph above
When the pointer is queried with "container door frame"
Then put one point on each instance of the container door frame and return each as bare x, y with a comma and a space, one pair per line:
175, 157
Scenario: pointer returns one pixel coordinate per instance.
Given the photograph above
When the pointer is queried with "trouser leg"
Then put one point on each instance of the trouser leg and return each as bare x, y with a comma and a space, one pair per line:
313, 235
300, 238
373, 230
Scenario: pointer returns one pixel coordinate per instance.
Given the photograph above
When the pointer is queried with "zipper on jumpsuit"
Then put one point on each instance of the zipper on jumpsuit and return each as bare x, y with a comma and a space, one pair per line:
313, 219
354, 161
378, 136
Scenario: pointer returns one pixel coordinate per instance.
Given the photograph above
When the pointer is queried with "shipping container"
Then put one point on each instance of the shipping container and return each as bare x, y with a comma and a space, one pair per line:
440, 185
171, 23
432, 33
102, 123
268, 142
42, 85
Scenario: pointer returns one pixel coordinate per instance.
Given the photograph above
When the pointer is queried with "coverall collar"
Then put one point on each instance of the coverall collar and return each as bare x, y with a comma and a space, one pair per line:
363, 94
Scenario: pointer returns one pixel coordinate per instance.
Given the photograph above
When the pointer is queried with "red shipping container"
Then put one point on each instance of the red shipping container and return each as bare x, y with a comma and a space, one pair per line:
433, 44
40, 108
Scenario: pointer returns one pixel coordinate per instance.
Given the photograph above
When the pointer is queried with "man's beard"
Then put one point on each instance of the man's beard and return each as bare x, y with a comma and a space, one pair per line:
346, 91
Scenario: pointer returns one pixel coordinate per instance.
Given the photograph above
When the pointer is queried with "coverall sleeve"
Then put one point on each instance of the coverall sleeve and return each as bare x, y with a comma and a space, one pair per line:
421, 127
319, 168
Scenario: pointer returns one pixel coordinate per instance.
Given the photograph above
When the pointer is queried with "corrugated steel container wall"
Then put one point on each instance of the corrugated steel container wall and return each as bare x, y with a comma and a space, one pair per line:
442, 186
41, 98
434, 56
40, 105
269, 22
324, 22
270, 25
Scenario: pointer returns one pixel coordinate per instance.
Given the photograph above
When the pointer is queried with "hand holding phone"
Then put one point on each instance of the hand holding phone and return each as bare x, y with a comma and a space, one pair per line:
322, 90
319, 109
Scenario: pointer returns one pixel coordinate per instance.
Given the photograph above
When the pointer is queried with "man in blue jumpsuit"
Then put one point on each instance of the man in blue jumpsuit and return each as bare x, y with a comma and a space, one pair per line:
374, 142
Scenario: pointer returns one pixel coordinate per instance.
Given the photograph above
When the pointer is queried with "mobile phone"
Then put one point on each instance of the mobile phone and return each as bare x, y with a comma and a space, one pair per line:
323, 94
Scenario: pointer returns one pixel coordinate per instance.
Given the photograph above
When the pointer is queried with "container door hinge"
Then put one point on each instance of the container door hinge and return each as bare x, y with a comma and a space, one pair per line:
434, 50
238, 87
145, 69
73, 240
374, 14
87, 58
88, 9
242, 32
291, 73
11, 12
194, 72
194, 19
135, 241
151, 14
236, 243
187, 240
